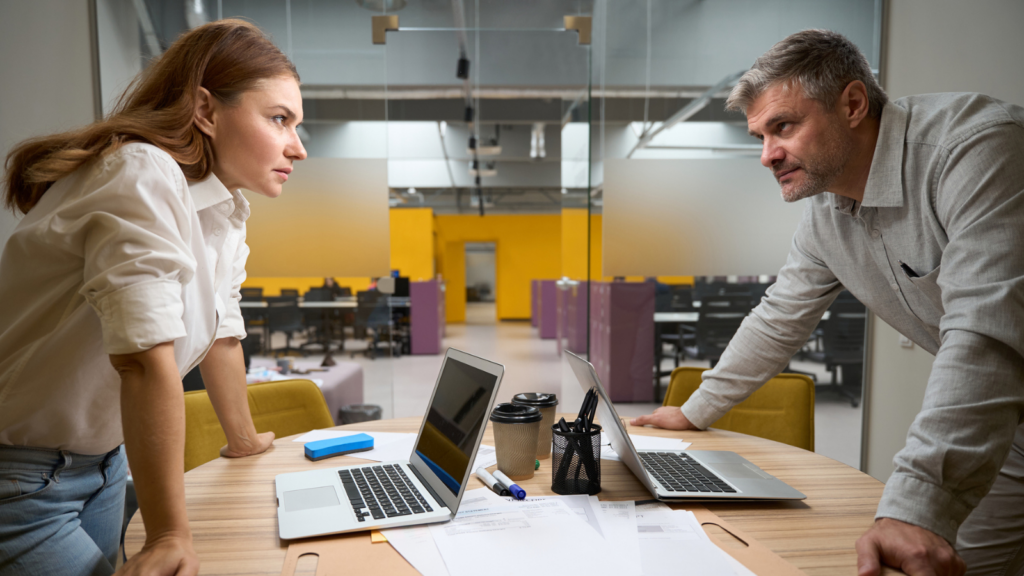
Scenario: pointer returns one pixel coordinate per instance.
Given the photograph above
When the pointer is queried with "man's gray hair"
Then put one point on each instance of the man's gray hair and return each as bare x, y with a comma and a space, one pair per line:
821, 62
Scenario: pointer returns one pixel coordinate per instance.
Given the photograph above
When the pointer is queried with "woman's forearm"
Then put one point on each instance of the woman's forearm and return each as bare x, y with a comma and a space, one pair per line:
153, 418
223, 371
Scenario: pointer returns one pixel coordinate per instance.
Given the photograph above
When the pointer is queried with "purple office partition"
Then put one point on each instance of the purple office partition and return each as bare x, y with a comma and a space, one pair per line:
548, 309
534, 302
576, 319
426, 317
622, 339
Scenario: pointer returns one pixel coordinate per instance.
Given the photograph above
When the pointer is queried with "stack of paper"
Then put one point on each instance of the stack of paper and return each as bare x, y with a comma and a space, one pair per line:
562, 533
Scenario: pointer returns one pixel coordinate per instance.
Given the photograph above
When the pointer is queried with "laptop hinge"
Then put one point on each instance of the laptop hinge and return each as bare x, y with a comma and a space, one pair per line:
426, 485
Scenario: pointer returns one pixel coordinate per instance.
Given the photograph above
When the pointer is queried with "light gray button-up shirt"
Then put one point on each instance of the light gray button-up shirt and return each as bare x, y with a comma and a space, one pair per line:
945, 197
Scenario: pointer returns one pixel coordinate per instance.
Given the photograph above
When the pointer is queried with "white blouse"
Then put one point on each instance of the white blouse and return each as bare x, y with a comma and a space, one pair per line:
117, 257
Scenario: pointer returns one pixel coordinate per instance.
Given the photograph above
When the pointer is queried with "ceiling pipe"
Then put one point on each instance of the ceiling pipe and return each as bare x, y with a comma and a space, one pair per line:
687, 111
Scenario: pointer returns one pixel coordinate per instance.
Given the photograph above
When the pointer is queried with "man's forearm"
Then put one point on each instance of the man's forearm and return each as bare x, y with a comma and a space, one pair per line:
153, 418
223, 372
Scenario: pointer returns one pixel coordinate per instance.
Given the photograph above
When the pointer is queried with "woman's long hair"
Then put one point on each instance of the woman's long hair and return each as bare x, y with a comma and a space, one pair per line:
227, 57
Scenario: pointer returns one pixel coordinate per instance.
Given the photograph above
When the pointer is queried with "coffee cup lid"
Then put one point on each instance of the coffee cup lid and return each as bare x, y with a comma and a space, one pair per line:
506, 413
538, 399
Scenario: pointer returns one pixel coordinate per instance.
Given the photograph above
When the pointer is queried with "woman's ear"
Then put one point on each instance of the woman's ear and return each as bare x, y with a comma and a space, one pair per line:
206, 108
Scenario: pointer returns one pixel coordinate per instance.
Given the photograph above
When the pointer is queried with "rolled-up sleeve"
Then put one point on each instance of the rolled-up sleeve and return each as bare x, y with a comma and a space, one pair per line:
975, 396
131, 230
232, 324
771, 334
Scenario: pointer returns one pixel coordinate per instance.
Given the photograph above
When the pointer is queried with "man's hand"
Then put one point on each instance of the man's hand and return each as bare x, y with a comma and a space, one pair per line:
668, 417
245, 448
168, 556
910, 548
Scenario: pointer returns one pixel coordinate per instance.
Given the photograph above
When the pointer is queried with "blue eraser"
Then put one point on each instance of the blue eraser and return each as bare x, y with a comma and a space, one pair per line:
338, 446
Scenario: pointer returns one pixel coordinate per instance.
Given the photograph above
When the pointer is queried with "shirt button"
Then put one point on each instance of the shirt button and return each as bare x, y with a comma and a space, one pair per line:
875, 233
218, 231
895, 287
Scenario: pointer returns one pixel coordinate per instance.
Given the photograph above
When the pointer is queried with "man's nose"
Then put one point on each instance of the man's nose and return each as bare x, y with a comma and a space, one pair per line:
771, 154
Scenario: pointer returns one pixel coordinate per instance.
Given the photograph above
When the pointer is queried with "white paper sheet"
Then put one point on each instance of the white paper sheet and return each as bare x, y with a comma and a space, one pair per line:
579, 503
416, 543
671, 544
737, 567
618, 523
645, 443
486, 457
544, 531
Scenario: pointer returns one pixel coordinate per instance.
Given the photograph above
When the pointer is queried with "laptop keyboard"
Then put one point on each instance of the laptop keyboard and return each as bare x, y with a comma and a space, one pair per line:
382, 492
681, 473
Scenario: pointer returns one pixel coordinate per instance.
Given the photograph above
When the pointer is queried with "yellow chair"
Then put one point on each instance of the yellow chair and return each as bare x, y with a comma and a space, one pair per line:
284, 407
781, 410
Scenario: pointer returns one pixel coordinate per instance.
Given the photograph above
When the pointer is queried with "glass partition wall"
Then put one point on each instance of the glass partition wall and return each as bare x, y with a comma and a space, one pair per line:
529, 178
489, 136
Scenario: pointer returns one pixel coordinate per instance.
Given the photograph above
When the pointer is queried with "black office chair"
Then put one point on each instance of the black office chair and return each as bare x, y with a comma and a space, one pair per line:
284, 315
317, 320
293, 292
373, 318
253, 316
843, 345
720, 318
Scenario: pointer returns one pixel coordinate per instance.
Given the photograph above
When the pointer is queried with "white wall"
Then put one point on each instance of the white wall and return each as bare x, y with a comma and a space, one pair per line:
120, 51
47, 73
932, 46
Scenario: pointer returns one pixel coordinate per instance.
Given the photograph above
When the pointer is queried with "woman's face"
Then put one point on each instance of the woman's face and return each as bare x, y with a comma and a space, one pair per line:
254, 141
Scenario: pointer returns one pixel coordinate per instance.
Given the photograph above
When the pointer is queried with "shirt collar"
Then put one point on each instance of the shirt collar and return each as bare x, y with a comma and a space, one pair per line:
885, 180
209, 192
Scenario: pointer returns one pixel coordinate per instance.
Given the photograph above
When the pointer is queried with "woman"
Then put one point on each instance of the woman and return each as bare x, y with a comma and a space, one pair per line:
122, 276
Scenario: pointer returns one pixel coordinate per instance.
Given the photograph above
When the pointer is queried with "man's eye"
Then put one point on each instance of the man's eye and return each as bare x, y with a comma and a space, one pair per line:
782, 126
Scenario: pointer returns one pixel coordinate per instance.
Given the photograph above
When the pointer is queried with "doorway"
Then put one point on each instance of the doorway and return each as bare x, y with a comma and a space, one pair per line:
481, 282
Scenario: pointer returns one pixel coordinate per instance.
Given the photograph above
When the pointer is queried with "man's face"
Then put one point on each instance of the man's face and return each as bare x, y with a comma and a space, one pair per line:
805, 146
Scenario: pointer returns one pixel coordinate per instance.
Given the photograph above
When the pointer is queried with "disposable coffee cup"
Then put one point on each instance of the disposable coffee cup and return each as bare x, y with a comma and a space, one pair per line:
516, 428
546, 403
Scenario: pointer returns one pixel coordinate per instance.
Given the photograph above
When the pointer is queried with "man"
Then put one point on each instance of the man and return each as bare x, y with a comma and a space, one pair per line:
923, 221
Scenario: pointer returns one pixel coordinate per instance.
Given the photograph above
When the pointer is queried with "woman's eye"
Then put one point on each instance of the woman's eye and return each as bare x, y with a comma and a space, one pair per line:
279, 119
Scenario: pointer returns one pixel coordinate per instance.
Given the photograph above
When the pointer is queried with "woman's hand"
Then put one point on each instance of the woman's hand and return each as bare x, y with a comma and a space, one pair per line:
166, 556
245, 448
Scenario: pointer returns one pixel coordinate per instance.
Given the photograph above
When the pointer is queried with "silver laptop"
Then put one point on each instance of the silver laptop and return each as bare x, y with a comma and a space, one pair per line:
682, 474
426, 488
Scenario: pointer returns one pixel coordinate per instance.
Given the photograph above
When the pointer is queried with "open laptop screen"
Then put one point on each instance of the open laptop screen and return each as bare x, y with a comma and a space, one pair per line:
456, 415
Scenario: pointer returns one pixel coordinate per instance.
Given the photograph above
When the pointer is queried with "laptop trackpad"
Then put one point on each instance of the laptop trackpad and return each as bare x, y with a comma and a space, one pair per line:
738, 471
308, 498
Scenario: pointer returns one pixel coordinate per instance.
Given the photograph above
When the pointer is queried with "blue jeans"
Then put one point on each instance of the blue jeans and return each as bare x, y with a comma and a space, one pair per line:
60, 512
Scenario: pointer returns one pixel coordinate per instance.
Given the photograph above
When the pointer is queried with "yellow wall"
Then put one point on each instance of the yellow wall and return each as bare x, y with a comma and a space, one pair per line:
412, 243
574, 244
527, 247
454, 274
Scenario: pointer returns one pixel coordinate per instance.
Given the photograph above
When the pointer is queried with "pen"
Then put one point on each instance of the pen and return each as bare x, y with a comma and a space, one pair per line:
492, 482
516, 491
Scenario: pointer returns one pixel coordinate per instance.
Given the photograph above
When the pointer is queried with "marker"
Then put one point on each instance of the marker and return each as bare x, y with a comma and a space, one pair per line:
516, 491
491, 482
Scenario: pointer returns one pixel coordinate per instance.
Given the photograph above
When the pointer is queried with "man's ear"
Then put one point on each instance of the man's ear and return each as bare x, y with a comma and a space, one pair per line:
206, 107
854, 104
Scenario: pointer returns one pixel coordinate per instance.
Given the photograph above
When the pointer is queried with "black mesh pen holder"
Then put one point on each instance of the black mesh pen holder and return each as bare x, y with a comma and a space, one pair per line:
576, 461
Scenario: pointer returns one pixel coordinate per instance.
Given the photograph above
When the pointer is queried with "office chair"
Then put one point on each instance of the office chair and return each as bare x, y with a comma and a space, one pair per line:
253, 316
373, 318
291, 292
317, 320
782, 410
284, 315
284, 407
720, 318
842, 337
251, 294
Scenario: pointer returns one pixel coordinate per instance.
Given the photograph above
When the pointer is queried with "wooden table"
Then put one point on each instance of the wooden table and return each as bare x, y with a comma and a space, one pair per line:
232, 505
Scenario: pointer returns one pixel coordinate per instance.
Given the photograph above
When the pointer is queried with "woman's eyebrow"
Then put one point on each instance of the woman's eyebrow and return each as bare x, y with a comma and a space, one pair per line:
288, 112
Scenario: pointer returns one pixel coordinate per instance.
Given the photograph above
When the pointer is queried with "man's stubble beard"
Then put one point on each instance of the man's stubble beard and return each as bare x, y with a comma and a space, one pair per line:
823, 168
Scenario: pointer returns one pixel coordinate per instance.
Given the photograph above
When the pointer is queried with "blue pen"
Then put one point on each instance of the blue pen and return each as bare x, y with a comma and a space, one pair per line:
516, 491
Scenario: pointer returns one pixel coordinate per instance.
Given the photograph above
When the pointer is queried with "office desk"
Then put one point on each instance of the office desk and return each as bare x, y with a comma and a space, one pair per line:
232, 505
